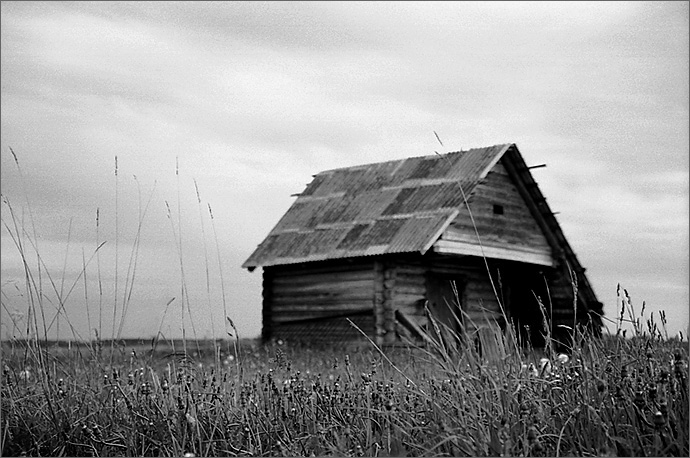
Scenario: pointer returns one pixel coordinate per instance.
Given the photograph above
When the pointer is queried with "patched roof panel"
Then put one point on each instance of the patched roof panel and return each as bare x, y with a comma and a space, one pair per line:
389, 207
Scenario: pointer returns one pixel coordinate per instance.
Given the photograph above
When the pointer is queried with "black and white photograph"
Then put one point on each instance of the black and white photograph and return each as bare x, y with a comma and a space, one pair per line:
344, 228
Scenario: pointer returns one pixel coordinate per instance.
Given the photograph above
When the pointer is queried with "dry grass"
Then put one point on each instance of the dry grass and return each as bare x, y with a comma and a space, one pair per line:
617, 395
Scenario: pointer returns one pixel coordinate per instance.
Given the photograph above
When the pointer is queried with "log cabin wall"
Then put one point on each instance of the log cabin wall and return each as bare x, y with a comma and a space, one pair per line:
309, 302
410, 282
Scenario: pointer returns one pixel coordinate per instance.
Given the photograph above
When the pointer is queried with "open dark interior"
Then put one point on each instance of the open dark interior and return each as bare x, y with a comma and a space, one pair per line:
523, 287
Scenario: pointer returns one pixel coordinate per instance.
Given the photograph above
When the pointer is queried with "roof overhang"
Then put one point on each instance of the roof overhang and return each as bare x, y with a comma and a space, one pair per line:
453, 247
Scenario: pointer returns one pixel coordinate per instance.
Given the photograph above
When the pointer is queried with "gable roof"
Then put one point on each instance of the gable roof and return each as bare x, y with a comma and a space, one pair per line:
400, 206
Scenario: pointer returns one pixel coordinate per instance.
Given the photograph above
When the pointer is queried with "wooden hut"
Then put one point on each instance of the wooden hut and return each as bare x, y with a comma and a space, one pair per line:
465, 236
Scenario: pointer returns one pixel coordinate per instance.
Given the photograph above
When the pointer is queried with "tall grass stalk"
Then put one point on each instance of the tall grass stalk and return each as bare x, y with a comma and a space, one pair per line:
208, 276
134, 256
117, 265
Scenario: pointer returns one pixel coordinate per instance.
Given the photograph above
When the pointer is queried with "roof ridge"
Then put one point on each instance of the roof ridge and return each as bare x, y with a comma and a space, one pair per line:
369, 164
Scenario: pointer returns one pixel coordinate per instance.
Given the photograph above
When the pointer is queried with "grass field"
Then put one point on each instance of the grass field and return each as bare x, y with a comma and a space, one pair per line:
613, 396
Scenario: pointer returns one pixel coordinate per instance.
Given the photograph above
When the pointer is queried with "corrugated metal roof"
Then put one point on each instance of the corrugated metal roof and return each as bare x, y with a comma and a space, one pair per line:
389, 207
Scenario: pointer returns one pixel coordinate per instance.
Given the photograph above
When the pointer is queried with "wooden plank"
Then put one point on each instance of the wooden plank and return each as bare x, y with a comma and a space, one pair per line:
417, 279
316, 302
313, 316
410, 289
511, 254
366, 286
411, 309
512, 229
413, 325
314, 306
325, 266
324, 277
404, 299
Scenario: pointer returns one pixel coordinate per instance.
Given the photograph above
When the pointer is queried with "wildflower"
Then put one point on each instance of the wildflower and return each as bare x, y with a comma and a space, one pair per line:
639, 399
663, 407
651, 390
659, 419
25, 375
544, 365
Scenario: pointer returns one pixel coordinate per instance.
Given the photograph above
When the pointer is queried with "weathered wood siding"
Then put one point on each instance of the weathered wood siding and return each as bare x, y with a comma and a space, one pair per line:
514, 229
311, 302
407, 288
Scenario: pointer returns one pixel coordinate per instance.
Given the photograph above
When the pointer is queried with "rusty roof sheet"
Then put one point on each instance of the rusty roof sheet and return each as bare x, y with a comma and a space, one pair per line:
389, 207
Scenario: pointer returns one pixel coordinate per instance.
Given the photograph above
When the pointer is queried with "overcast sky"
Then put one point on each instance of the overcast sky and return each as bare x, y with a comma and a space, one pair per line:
250, 99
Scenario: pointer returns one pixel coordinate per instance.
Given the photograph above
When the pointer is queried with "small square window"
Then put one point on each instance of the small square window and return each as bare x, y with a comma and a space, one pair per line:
498, 209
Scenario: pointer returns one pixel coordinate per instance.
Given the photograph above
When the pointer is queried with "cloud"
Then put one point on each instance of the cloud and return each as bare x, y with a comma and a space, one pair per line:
251, 99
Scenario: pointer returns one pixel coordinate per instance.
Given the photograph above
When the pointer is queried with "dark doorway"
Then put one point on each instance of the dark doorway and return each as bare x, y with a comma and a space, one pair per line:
523, 287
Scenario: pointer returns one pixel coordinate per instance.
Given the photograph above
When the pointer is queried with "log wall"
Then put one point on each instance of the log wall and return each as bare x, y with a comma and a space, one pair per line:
310, 302
406, 290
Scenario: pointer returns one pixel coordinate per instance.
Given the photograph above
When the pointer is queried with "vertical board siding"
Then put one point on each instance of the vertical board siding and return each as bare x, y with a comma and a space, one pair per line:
312, 303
